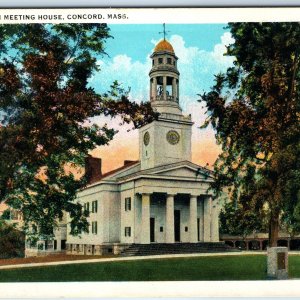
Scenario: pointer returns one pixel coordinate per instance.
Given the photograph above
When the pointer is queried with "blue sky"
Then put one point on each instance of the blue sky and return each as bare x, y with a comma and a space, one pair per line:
137, 38
200, 50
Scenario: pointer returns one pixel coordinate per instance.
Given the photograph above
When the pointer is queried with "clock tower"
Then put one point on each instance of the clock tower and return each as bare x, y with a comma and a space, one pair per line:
168, 139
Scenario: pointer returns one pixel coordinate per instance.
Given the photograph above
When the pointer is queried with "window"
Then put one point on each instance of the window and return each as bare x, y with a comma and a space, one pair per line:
127, 204
48, 245
94, 227
95, 206
160, 60
169, 60
186, 229
86, 206
161, 229
127, 231
153, 62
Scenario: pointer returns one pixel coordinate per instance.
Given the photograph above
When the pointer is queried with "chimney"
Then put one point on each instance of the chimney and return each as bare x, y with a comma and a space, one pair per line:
92, 169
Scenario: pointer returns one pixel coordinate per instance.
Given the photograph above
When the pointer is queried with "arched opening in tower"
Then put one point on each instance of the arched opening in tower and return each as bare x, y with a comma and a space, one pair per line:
166, 88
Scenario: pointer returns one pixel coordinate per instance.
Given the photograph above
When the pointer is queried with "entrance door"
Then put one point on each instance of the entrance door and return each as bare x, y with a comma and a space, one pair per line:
177, 225
55, 244
152, 230
63, 244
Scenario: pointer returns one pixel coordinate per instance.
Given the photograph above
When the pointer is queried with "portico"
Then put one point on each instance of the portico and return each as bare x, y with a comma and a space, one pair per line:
173, 218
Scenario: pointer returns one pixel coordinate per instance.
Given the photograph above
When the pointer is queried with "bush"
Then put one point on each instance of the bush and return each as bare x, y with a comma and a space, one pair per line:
12, 241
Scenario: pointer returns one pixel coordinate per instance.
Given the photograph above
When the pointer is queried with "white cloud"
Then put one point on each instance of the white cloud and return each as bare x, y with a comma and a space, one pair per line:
227, 39
129, 73
220, 49
197, 68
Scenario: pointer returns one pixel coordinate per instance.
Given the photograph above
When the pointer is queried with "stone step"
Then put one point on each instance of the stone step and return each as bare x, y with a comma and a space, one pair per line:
176, 248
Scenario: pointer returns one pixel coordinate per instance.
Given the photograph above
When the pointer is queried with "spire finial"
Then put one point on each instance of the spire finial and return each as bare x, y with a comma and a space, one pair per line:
164, 31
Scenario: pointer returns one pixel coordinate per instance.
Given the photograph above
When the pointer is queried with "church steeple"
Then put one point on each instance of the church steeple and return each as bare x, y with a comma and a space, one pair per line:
168, 139
164, 79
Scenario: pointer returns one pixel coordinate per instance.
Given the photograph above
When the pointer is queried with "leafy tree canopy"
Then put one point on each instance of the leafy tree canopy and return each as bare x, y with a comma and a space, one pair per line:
236, 220
45, 105
254, 109
11, 241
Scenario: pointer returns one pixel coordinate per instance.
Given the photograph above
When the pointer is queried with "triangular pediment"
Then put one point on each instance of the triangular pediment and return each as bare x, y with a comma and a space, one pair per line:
186, 170
183, 170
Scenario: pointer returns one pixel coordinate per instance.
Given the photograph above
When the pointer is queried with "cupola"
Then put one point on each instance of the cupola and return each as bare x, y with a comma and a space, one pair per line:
164, 79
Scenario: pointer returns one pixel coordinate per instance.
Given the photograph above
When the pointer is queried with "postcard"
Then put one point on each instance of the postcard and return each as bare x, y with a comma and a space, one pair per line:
149, 152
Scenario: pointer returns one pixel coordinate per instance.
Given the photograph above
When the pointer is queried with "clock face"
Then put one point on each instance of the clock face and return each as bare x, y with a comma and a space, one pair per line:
146, 138
173, 137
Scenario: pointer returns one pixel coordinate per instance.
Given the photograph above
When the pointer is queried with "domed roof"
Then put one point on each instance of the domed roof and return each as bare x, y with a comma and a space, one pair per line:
164, 45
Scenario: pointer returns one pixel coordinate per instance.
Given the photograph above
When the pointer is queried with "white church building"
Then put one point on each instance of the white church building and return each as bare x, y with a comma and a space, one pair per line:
163, 197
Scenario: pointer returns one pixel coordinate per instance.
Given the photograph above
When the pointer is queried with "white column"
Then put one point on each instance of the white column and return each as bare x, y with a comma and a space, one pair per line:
154, 89
193, 219
137, 205
215, 221
201, 223
207, 219
170, 235
165, 88
177, 94
174, 89
145, 232
58, 244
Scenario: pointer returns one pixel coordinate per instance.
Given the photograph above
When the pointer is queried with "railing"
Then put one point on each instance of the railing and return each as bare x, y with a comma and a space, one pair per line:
161, 98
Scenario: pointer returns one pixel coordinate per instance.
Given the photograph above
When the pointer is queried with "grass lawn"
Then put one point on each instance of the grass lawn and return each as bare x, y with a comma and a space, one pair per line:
243, 267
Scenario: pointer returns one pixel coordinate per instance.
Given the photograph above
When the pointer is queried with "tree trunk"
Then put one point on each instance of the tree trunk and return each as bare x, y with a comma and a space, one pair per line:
273, 230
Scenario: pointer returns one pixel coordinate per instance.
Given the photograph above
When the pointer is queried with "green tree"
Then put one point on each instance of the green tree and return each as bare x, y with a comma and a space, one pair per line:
12, 241
240, 220
46, 110
254, 109
6, 215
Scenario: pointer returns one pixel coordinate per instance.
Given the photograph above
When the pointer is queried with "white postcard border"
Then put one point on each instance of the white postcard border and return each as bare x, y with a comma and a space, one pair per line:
274, 288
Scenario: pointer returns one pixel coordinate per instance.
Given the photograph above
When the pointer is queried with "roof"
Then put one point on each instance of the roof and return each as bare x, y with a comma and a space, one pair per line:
199, 173
126, 165
167, 167
164, 45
